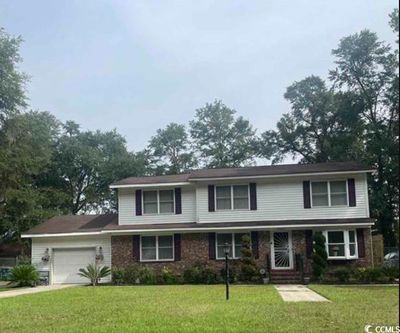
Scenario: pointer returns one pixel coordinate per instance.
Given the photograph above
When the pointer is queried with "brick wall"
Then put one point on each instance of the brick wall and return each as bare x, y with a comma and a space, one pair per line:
194, 249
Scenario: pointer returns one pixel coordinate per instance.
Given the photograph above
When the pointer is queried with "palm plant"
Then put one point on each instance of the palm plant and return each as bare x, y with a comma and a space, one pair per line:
24, 275
94, 273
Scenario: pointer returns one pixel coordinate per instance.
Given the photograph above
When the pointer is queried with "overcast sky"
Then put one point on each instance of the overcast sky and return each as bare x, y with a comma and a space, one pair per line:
138, 65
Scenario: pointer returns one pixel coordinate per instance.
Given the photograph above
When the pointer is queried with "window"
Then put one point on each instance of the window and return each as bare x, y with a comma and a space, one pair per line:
158, 202
232, 197
234, 241
157, 248
341, 244
332, 193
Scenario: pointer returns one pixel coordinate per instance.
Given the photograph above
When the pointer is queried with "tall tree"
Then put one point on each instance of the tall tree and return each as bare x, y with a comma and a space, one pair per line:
170, 151
369, 68
86, 163
222, 140
12, 81
323, 125
27, 144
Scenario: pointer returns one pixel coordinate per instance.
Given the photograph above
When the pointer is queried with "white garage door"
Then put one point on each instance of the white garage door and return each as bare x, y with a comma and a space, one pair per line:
67, 263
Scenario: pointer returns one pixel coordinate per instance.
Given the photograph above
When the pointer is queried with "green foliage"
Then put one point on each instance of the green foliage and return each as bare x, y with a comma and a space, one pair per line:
167, 276
201, 274
94, 273
248, 267
170, 151
147, 275
319, 257
24, 275
354, 117
342, 274
222, 140
12, 81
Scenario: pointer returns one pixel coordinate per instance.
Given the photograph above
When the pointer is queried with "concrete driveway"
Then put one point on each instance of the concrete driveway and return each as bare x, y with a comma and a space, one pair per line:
34, 290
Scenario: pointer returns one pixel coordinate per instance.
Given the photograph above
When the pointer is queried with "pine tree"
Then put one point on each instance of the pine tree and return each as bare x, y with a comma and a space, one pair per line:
319, 256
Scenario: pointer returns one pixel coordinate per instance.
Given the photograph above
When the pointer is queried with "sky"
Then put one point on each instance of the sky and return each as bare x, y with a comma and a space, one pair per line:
138, 65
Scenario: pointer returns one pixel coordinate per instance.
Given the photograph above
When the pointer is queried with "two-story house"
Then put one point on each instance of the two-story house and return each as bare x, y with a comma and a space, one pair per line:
179, 220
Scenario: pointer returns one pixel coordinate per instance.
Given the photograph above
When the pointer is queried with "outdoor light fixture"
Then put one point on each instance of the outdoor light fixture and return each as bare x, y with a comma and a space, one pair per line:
227, 250
99, 255
46, 256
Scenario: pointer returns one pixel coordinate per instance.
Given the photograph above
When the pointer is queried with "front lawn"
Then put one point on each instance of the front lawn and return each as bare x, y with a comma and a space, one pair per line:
196, 309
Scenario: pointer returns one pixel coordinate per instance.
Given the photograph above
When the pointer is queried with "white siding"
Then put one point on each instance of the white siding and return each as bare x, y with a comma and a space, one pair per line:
39, 246
127, 208
283, 200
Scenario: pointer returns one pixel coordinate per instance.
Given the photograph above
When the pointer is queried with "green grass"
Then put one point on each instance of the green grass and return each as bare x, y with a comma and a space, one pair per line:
196, 309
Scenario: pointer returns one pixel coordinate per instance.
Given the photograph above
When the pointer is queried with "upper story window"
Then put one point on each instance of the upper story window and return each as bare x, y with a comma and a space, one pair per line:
329, 193
232, 197
157, 248
235, 242
341, 244
158, 202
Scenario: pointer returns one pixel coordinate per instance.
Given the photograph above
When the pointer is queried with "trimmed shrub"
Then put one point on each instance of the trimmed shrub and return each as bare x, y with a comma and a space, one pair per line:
167, 276
248, 267
201, 274
319, 257
233, 274
24, 275
131, 274
391, 272
117, 276
147, 275
342, 274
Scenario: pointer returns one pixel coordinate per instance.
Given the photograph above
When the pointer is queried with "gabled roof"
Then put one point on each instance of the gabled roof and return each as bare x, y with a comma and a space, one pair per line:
255, 171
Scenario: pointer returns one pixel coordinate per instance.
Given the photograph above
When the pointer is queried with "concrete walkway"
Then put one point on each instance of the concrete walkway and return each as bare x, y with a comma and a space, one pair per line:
39, 289
298, 293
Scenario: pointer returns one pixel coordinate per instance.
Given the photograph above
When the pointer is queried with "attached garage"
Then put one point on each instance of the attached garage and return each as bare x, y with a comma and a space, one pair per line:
67, 262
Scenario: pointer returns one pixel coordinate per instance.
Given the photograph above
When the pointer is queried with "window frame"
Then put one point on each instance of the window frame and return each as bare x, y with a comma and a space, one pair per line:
231, 186
329, 192
234, 257
346, 239
157, 249
158, 202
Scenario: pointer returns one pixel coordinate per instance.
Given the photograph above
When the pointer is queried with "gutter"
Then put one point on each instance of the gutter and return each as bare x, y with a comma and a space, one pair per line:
197, 229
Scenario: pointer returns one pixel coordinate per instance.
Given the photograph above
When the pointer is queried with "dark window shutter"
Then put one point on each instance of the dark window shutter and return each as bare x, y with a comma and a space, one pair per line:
360, 243
211, 245
136, 247
178, 201
309, 243
211, 198
177, 246
254, 243
253, 196
138, 200
352, 192
306, 194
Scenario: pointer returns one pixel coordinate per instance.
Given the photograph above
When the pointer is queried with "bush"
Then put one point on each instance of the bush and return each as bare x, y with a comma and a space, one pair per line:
117, 275
319, 257
233, 274
248, 269
131, 274
342, 274
167, 276
391, 272
147, 275
200, 274
24, 275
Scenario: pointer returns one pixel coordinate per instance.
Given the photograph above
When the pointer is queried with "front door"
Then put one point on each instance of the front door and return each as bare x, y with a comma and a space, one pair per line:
281, 250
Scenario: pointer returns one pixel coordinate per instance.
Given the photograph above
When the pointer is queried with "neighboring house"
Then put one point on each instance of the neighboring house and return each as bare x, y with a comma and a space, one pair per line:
179, 220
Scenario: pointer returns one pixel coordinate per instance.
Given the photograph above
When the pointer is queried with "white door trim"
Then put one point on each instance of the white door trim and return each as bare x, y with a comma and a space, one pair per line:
291, 266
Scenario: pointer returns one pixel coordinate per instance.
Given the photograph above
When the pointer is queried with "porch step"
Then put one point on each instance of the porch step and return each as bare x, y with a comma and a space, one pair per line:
285, 276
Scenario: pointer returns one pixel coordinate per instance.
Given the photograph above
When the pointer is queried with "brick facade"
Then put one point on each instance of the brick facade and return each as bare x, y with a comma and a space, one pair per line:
195, 248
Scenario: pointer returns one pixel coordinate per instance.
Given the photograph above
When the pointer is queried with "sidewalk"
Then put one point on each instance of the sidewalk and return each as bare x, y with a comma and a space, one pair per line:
298, 293
27, 291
